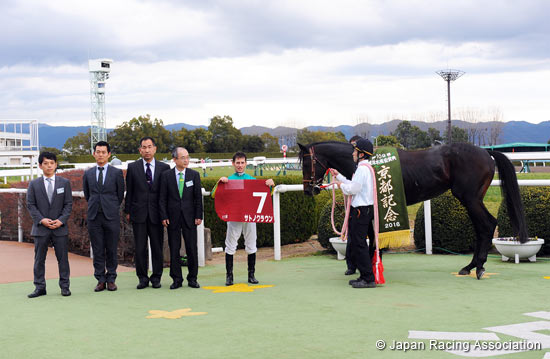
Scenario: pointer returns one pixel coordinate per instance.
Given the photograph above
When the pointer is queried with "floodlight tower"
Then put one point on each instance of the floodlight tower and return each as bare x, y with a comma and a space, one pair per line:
449, 75
99, 73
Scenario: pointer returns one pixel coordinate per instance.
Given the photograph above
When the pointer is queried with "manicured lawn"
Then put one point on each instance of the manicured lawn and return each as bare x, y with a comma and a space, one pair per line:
309, 312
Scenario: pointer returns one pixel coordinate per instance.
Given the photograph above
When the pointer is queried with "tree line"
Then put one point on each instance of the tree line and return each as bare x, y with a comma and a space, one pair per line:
221, 136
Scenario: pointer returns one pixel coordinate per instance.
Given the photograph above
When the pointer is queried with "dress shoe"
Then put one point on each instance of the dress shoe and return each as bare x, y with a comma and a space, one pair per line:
175, 285
251, 278
350, 271
99, 287
363, 284
65, 292
156, 285
193, 284
354, 280
111, 286
142, 285
37, 293
229, 279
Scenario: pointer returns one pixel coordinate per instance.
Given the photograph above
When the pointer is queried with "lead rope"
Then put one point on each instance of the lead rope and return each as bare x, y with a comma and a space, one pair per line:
347, 203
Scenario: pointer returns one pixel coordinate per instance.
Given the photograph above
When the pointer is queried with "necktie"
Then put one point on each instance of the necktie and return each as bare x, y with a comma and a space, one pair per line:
180, 184
149, 175
50, 189
100, 178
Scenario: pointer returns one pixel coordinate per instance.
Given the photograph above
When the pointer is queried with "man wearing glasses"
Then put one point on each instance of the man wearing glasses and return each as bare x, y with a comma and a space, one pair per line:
181, 212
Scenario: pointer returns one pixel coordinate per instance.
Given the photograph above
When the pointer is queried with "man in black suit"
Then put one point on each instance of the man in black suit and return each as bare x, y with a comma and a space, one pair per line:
104, 190
181, 212
50, 197
142, 209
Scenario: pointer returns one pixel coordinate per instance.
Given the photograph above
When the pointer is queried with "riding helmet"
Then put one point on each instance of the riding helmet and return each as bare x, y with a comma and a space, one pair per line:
365, 146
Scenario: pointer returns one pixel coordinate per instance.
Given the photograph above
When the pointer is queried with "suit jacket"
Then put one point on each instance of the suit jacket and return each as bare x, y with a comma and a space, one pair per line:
110, 196
39, 206
142, 200
186, 209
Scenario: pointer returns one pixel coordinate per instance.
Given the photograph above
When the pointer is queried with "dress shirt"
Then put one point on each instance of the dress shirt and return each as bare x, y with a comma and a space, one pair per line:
104, 172
360, 187
178, 175
151, 166
46, 182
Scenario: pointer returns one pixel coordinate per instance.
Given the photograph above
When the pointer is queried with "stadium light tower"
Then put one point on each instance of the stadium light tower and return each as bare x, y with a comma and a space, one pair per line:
449, 75
99, 73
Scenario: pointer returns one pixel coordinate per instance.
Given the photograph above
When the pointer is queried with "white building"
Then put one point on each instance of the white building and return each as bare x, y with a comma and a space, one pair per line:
18, 142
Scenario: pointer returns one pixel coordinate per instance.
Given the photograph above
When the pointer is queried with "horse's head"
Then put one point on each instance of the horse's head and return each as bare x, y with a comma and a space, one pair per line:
317, 158
312, 170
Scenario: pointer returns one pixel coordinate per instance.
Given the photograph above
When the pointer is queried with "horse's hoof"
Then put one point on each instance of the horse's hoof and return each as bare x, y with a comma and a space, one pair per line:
480, 273
464, 271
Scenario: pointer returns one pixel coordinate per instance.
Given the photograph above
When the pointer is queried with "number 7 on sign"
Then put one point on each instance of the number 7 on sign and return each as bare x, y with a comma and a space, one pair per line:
263, 196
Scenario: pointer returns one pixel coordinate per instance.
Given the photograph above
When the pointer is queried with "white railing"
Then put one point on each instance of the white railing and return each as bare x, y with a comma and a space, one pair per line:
282, 188
428, 209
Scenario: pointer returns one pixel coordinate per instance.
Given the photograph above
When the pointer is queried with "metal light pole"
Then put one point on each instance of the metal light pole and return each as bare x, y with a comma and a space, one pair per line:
449, 75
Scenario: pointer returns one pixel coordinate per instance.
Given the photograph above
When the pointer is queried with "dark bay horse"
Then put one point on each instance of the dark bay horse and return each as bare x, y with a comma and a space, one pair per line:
465, 169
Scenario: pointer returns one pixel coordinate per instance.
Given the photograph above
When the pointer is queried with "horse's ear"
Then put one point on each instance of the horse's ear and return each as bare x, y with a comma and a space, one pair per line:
302, 147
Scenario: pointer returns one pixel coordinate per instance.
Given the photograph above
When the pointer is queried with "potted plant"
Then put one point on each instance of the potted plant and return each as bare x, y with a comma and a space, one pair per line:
510, 247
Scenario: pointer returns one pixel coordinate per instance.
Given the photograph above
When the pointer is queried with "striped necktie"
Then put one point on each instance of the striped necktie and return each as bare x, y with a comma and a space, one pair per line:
180, 184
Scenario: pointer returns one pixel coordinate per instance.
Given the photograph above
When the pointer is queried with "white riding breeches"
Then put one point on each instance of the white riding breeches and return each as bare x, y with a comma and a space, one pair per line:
234, 230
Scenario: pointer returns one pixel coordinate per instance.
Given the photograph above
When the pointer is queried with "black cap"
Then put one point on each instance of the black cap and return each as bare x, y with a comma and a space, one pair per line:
365, 146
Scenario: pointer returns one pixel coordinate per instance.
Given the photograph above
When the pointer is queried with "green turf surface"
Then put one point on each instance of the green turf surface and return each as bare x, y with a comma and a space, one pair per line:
311, 312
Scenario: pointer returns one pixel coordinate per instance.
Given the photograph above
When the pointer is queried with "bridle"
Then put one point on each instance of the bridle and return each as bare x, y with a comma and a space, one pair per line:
312, 182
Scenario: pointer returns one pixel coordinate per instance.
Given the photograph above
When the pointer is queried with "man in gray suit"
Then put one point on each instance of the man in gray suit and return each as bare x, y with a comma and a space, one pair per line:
103, 187
49, 201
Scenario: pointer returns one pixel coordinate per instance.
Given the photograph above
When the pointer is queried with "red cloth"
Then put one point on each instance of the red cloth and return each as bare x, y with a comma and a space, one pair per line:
244, 201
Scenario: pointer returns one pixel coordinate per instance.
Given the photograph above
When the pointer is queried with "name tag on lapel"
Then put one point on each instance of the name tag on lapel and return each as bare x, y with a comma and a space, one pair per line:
189, 184
60, 190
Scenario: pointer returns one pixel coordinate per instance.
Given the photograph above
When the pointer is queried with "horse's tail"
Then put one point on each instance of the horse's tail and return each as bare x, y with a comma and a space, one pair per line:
510, 191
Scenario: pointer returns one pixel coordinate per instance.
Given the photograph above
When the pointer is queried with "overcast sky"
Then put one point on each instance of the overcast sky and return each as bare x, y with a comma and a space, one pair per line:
272, 63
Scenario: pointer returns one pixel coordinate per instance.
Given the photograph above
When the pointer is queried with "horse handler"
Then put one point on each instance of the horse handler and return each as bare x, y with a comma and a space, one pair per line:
361, 213
234, 229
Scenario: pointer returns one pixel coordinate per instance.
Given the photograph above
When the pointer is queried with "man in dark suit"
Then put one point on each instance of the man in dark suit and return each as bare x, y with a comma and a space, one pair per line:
49, 201
142, 209
104, 190
181, 212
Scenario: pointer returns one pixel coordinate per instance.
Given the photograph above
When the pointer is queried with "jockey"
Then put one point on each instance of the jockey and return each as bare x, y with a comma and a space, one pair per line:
361, 214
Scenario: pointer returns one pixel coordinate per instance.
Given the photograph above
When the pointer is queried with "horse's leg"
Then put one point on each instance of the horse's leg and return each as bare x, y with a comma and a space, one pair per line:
484, 226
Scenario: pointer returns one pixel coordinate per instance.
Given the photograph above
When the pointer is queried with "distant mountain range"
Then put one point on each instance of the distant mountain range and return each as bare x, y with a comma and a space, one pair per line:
514, 131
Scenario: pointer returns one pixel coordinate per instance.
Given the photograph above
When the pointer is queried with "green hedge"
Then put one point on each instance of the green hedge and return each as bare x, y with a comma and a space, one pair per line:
536, 201
298, 221
324, 228
452, 229
134, 156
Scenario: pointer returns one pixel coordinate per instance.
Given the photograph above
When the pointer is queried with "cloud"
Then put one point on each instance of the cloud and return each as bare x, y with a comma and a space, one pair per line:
273, 62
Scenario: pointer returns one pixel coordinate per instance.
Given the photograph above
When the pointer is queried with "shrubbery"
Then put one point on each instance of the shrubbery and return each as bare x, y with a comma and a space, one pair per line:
324, 228
536, 202
452, 229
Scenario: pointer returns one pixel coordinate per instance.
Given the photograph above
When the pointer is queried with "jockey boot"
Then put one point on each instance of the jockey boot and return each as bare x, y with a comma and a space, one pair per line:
252, 268
228, 269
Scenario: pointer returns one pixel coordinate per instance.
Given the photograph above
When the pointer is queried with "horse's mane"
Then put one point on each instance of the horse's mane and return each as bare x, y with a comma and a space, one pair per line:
308, 146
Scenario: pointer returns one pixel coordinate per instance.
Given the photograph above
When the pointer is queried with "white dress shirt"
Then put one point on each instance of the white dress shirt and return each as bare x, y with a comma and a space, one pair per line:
178, 175
46, 182
152, 167
360, 187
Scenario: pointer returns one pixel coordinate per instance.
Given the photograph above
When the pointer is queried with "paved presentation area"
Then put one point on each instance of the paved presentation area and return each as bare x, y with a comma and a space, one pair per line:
17, 260
306, 310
